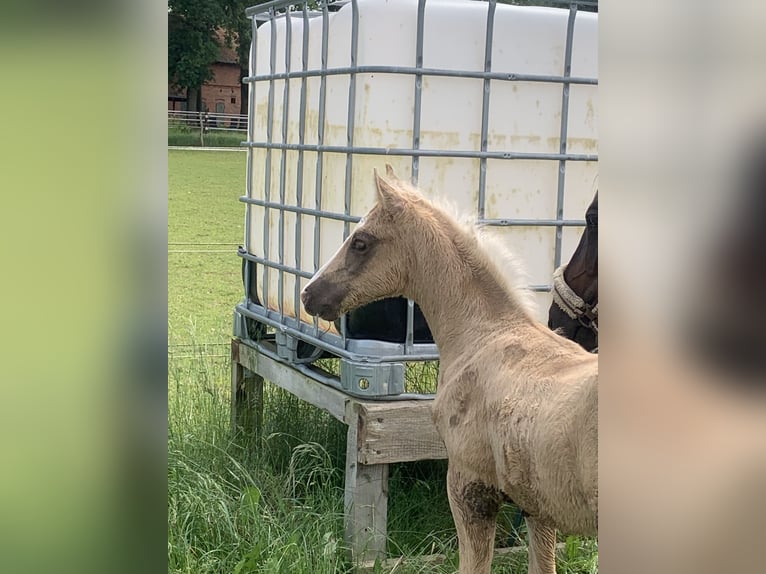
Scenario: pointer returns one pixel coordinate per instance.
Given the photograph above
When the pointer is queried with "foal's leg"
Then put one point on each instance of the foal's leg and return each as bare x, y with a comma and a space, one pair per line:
474, 507
542, 547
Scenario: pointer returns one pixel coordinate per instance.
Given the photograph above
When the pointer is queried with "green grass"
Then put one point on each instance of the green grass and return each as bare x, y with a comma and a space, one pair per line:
205, 225
235, 505
186, 136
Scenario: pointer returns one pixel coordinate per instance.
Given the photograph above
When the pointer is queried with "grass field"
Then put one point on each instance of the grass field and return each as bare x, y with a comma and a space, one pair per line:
179, 135
233, 508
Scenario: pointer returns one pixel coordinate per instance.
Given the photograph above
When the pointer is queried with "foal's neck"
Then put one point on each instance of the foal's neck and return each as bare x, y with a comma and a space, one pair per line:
461, 292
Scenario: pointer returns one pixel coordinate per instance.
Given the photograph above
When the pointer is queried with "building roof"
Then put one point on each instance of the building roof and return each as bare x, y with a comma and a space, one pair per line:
226, 55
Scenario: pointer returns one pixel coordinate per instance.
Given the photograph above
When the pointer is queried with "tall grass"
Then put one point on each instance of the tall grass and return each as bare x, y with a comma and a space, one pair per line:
237, 505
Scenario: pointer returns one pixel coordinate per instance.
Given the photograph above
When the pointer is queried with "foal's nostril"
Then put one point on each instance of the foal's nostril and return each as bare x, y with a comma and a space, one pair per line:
306, 299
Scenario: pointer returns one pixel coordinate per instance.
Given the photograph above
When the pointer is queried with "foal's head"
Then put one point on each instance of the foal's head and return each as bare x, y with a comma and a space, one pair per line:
373, 262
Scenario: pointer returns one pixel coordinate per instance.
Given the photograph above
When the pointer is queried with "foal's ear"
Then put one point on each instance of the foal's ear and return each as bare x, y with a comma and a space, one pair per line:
388, 196
390, 171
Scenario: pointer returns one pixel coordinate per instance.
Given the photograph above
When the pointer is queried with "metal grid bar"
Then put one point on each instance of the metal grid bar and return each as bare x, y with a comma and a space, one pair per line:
267, 174
301, 210
324, 345
325, 378
351, 114
283, 164
425, 152
563, 135
490, 28
410, 71
418, 89
409, 336
415, 153
255, 11
278, 266
250, 137
356, 219
350, 124
320, 141
299, 182
532, 222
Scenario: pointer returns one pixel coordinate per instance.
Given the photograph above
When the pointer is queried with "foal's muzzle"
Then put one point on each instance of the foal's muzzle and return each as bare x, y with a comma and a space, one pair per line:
323, 299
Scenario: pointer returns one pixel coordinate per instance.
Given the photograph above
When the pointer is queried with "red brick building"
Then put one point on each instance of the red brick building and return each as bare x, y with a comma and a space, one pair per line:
221, 94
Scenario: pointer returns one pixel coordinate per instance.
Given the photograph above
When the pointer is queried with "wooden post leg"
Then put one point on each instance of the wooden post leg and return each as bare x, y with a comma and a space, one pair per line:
246, 401
237, 383
366, 499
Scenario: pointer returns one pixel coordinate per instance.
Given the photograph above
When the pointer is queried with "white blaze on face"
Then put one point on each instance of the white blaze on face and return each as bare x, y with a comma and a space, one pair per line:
323, 267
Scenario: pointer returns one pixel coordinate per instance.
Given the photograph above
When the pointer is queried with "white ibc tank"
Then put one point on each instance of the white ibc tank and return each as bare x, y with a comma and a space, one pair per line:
523, 117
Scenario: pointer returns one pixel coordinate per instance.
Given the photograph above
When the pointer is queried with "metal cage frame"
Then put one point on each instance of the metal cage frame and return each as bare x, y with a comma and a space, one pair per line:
368, 368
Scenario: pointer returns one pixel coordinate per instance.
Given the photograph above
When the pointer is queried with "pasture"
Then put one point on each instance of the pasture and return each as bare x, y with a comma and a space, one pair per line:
181, 135
277, 509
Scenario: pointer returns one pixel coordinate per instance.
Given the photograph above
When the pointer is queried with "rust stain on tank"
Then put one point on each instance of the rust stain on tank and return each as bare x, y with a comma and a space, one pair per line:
589, 112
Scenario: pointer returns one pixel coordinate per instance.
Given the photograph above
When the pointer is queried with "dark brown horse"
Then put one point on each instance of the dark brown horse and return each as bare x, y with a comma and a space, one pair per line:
574, 311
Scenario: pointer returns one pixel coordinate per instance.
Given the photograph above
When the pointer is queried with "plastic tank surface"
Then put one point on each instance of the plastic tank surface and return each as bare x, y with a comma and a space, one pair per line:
524, 117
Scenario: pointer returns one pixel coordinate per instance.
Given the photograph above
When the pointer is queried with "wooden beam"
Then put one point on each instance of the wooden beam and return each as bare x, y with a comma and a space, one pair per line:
366, 499
398, 431
286, 377
246, 399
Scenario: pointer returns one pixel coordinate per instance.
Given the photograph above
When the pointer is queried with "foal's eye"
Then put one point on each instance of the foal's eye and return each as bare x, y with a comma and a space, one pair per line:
359, 245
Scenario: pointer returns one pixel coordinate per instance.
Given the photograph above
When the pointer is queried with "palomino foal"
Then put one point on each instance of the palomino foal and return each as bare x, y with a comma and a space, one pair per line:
516, 404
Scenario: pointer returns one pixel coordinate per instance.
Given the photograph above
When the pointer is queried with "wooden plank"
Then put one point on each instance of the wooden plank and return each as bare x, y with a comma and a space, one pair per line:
284, 376
398, 431
246, 400
237, 378
366, 499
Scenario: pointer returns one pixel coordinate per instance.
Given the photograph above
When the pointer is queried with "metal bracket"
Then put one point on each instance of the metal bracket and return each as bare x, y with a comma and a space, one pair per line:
239, 327
372, 379
287, 347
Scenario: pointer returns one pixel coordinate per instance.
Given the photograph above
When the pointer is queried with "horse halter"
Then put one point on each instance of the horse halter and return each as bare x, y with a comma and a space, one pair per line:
573, 305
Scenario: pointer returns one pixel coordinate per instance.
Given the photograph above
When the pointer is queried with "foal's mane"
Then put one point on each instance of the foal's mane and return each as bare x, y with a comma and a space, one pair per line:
490, 249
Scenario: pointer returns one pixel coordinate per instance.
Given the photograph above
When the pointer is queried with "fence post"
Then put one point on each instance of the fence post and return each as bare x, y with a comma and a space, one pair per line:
201, 129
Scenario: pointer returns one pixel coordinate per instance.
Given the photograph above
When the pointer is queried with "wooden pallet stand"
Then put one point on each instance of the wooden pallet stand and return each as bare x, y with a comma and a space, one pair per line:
379, 433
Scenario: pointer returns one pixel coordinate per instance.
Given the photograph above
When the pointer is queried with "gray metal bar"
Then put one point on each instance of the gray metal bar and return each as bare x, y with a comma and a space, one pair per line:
250, 137
427, 152
351, 115
299, 183
532, 222
278, 319
277, 266
302, 210
356, 219
332, 381
410, 337
563, 135
320, 142
283, 163
277, 4
350, 125
267, 174
334, 349
418, 89
502, 76
409, 334
489, 34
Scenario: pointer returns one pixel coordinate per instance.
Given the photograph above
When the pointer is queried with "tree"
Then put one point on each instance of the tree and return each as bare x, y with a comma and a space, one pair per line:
239, 33
192, 44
